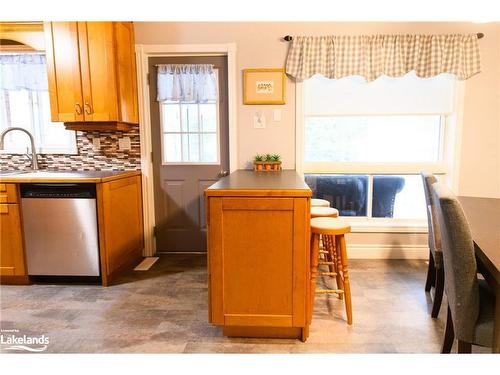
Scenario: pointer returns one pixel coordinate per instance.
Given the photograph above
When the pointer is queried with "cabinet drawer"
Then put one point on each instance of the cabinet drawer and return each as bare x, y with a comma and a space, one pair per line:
8, 193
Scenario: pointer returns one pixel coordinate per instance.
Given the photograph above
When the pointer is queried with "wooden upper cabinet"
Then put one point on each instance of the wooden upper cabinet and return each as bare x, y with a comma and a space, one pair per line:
63, 68
92, 75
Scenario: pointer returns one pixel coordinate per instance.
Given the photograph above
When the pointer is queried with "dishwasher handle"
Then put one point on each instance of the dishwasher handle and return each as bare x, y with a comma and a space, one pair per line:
58, 191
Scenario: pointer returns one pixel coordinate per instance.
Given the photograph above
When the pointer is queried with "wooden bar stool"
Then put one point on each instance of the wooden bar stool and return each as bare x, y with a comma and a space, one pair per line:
324, 212
332, 231
315, 202
328, 256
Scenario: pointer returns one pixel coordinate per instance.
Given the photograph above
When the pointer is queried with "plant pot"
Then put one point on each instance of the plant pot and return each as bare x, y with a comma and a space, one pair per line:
268, 166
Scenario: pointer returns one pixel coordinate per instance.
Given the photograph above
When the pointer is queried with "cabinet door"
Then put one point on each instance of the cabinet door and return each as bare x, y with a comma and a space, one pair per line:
97, 51
257, 257
11, 242
63, 69
126, 72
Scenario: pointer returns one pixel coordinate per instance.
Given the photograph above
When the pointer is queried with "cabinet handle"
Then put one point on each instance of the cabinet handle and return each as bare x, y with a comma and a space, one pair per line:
78, 109
88, 108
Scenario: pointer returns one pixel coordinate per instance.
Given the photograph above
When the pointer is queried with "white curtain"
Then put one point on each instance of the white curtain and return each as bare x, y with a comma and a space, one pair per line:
187, 83
25, 71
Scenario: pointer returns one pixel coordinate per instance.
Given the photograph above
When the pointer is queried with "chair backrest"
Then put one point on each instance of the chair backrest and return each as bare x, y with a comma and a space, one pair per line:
460, 267
434, 237
385, 189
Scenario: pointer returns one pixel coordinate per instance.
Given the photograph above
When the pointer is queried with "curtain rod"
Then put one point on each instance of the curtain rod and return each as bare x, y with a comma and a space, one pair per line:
289, 38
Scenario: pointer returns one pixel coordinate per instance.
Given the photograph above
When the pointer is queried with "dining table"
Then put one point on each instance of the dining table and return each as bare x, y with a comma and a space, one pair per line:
483, 215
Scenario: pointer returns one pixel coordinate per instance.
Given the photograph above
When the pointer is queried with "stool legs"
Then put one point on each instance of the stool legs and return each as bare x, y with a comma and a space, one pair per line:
341, 250
336, 254
314, 267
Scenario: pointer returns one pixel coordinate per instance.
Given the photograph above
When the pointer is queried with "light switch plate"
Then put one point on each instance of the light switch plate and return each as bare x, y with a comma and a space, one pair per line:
96, 142
277, 115
259, 121
124, 143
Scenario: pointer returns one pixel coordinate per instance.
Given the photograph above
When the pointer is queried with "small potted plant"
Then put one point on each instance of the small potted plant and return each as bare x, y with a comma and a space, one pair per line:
268, 163
276, 159
258, 162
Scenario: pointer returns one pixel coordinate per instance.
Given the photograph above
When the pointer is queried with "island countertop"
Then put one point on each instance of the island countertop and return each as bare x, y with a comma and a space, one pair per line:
45, 176
245, 182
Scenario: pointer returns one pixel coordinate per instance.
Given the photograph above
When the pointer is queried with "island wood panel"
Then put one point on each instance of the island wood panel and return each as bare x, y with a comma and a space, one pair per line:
258, 263
120, 225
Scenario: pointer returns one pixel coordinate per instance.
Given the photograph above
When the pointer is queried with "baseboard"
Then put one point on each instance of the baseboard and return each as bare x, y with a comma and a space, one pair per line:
369, 251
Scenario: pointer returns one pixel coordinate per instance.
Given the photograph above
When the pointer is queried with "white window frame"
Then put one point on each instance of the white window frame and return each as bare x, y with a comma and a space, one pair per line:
448, 167
37, 134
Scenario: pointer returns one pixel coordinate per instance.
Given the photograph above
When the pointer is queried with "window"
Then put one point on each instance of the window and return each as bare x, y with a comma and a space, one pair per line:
364, 143
29, 109
190, 133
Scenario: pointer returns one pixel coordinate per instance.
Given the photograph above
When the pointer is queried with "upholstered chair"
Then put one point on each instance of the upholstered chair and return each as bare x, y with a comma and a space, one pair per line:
435, 271
471, 302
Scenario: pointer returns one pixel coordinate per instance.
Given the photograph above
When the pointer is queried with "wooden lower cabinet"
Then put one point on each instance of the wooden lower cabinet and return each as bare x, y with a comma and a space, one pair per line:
121, 235
259, 265
119, 210
11, 243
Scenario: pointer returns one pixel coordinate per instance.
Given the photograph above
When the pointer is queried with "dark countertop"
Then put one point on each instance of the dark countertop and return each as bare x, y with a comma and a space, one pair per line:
67, 176
245, 182
483, 216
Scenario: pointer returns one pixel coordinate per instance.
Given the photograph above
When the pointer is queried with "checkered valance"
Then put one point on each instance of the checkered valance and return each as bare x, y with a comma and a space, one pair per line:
371, 56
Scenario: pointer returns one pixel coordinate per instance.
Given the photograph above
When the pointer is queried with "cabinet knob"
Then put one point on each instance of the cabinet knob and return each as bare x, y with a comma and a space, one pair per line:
88, 108
78, 108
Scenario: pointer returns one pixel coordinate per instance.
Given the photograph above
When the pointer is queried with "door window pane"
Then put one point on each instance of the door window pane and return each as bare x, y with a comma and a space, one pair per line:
189, 117
346, 193
413, 139
172, 147
194, 147
171, 119
209, 148
208, 117
400, 197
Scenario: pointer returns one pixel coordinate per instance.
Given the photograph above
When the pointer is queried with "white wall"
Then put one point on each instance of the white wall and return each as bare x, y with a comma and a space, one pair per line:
260, 45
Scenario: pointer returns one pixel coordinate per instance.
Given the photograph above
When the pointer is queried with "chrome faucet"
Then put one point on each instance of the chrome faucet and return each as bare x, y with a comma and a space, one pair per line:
34, 157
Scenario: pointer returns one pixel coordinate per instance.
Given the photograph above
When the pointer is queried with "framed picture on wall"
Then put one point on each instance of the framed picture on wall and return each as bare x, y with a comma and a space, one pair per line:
264, 86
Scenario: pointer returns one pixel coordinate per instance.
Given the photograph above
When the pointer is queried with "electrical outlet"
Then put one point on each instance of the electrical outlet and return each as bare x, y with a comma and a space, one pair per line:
96, 142
124, 143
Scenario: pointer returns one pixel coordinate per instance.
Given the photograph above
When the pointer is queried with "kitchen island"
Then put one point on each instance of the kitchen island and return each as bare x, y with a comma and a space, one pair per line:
118, 209
258, 254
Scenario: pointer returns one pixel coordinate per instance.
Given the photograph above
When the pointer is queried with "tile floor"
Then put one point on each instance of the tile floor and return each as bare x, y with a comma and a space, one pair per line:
164, 310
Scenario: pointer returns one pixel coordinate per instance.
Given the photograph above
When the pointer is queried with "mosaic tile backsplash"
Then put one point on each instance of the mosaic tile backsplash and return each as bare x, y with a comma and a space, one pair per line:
108, 157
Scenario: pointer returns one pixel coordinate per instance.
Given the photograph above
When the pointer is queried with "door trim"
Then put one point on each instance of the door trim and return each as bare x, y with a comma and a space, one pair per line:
142, 53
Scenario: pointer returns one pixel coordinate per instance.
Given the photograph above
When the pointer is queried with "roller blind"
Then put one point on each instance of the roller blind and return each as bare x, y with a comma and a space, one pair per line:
386, 95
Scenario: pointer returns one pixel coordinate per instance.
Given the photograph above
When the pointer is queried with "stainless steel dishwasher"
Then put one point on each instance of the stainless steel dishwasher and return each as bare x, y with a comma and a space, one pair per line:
60, 229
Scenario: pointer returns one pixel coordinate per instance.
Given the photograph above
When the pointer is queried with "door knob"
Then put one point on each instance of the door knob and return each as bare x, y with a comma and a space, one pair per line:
223, 173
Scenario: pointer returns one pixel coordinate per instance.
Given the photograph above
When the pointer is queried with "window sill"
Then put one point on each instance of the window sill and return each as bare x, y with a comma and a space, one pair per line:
363, 225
